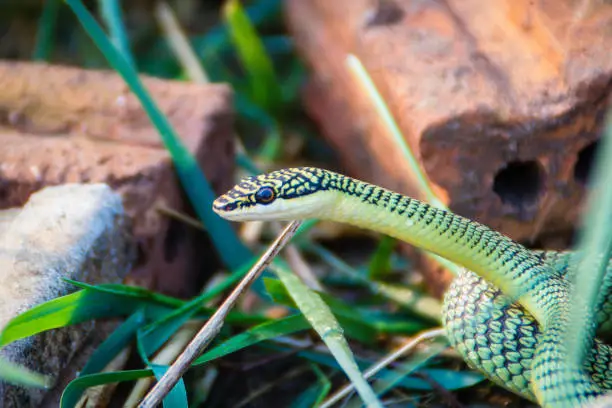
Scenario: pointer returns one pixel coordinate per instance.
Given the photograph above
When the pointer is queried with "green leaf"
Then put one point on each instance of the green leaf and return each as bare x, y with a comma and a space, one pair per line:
155, 335
265, 89
129, 291
361, 324
322, 320
453, 380
15, 374
408, 298
104, 301
393, 323
449, 379
389, 378
158, 304
177, 397
316, 393
386, 116
73, 391
110, 10
217, 38
589, 267
254, 335
66, 310
380, 263
351, 321
273, 144
45, 34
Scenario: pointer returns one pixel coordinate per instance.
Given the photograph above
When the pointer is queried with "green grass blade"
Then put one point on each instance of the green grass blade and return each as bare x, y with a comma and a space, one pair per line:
418, 303
385, 114
360, 324
264, 84
265, 331
385, 322
111, 13
73, 391
231, 250
272, 145
15, 374
388, 379
408, 298
128, 291
218, 37
158, 304
316, 393
592, 256
380, 262
75, 308
399, 375
278, 44
248, 109
155, 335
45, 35
104, 301
177, 397
325, 324
453, 380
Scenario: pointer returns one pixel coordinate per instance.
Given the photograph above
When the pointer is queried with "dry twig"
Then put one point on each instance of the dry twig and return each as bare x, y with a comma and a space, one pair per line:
215, 323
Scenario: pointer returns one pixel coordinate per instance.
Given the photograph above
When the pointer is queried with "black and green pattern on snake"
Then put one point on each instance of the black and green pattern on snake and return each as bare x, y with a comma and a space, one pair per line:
504, 313
499, 338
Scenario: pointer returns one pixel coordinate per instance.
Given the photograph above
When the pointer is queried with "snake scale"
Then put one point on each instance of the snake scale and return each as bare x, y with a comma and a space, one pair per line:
504, 313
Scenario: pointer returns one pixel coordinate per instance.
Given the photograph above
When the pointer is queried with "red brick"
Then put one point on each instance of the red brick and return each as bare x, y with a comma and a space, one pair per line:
65, 125
475, 87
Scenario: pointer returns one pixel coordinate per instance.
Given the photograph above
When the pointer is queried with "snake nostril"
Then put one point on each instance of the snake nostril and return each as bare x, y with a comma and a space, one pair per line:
229, 206
519, 183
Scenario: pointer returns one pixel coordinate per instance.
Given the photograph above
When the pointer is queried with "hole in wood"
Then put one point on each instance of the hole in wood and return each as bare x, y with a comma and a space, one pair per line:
519, 183
584, 164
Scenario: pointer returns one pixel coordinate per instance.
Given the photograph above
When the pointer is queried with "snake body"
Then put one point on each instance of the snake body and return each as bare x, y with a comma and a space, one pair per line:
505, 313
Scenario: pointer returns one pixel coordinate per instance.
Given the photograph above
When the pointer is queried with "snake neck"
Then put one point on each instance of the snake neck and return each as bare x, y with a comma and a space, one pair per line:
493, 256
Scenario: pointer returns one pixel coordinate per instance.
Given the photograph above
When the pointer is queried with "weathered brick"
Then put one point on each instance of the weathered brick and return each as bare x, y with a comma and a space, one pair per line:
501, 102
66, 124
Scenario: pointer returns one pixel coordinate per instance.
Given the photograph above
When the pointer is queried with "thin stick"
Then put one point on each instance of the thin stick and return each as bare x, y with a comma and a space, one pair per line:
215, 323
177, 215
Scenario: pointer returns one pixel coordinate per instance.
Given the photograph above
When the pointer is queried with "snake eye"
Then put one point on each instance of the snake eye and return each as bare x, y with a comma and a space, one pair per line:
265, 195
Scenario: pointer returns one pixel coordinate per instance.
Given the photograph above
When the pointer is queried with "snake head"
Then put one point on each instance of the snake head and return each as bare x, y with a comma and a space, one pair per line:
281, 195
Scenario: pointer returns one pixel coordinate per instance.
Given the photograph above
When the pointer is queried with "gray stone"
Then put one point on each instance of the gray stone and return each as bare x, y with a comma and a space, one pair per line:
7, 216
76, 231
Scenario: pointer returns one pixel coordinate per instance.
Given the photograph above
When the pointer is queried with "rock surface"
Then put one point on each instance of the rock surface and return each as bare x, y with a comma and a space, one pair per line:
73, 231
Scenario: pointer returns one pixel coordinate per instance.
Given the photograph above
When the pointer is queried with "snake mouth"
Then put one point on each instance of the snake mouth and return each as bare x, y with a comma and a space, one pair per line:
218, 205
233, 210
222, 206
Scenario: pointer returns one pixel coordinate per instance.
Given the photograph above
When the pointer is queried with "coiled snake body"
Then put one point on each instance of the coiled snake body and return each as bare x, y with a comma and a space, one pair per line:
517, 345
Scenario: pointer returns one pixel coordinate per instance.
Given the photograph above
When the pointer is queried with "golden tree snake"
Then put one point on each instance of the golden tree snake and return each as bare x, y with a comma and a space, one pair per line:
505, 313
